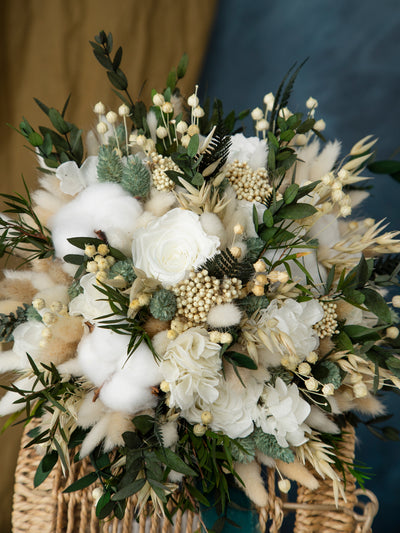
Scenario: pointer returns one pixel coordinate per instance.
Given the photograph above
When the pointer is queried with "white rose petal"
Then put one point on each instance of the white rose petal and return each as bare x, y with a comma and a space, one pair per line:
170, 246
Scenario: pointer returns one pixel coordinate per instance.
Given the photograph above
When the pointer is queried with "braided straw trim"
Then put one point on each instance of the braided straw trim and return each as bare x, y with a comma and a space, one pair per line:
47, 509
316, 511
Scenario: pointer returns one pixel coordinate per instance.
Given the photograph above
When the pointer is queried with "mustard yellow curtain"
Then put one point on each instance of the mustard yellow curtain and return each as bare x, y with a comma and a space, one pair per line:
44, 52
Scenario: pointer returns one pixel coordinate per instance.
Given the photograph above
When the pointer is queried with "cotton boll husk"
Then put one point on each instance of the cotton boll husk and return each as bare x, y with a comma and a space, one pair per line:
212, 225
160, 342
254, 488
326, 345
153, 326
224, 315
317, 419
103, 206
169, 432
118, 423
90, 412
160, 202
298, 472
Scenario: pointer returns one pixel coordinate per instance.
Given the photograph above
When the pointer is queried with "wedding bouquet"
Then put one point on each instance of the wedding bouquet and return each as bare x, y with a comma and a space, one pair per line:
195, 303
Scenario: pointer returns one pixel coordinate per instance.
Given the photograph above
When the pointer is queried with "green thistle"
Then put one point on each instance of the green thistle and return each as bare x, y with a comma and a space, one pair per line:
163, 305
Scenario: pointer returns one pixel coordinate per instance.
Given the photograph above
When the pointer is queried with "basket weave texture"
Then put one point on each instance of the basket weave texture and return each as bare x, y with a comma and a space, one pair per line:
46, 509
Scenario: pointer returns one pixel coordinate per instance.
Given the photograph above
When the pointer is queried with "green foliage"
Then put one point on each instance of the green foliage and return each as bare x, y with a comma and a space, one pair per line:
268, 445
389, 166
328, 372
252, 303
45, 467
31, 237
255, 247
8, 322
57, 146
280, 372
124, 269
136, 177
244, 450
224, 264
74, 289
163, 304
109, 166
214, 115
216, 154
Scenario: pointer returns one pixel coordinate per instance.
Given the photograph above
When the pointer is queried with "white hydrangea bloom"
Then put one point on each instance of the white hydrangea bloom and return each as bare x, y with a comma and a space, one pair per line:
295, 319
249, 150
282, 413
191, 366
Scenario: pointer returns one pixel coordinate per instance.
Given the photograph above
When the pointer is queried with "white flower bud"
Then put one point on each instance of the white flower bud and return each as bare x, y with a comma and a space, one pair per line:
90, 250
328, 389
101, 276
102, 264
206, 417
92, 267
123, 110
262, 125
284, 485
337, 195
99, 108
161, 132
112, 117
258, 290
181, 127
327, 179
158, 99
238, 229
215, 336
38, 303
300, 139
345, 211
320, 125
102, 128
198, 112
262, 279
392, 332
97, 493
311, 384
193, 129
312, 357
110, 260
269, 100
311, 103
257, 114
165, 386
193, 100
199, 430
49, 318
167, 108
369, 222
185, 141
260, 266
171, 334
360, 390
226, 338
103, 249
304, 369
396, 301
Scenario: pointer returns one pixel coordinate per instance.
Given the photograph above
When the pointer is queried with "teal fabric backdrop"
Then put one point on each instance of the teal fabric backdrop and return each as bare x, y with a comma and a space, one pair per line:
354, 72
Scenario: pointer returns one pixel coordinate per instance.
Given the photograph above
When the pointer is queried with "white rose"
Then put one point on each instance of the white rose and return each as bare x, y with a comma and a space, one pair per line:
191, 366
169, 246
282, 414
249, 150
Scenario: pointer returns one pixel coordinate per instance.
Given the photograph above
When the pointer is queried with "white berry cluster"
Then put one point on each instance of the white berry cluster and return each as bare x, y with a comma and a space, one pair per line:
251, 185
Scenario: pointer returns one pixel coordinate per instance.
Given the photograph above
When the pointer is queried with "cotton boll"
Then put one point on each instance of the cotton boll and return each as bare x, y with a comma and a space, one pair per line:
104, 206
224, 315
253, 483
9, 360
160, 202
71, 367
298, 472
101, 353
212, 225
160, 342
169, 433
317, 419
90, 412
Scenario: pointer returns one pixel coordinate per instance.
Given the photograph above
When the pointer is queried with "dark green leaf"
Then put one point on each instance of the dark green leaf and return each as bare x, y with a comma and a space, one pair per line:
290, 194
143, 423
307, 125
82, 483
74, 259
171, 80
129, 490
193, 146
46, 465
182, 66
117, 59
58, 122
118, 79
35, 139
240, 359
296, 211
268, 218
385, 167
173, 461
375, 303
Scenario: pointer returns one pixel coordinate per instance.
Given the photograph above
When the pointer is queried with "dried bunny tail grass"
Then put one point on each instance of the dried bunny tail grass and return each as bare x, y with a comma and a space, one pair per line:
17, 289
254, 486
320, 456
298, 472
54, 268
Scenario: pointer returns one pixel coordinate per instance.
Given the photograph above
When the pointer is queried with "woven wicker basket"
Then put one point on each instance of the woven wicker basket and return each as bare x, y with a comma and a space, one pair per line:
47, 509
